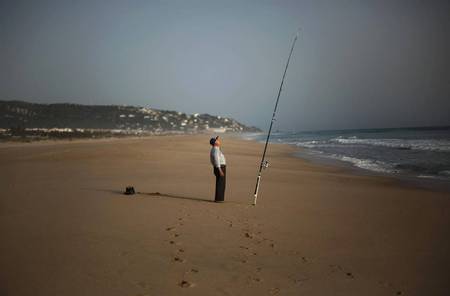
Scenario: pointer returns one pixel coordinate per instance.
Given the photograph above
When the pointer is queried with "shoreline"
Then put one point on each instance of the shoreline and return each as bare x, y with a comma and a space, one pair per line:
433, 184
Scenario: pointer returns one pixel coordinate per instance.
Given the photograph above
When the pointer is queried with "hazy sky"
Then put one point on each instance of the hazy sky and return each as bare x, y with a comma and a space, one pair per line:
357, 64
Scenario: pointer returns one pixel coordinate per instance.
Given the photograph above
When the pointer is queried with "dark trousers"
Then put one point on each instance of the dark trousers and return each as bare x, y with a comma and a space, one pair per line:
220, 183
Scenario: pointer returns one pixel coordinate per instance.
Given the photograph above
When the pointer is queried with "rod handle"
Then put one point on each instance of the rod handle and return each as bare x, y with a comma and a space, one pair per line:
258, 179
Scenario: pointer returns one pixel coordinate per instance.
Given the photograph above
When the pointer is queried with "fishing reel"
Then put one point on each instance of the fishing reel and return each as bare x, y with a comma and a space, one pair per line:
265, 164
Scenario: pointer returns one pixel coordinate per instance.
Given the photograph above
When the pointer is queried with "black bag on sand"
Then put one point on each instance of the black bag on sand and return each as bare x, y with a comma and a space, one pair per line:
129, 190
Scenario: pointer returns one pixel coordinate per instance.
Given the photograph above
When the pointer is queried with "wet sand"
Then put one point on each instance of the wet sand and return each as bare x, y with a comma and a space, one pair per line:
67, 229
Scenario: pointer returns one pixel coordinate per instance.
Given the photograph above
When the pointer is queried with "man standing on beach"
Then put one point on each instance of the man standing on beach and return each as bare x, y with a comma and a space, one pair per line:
218, 161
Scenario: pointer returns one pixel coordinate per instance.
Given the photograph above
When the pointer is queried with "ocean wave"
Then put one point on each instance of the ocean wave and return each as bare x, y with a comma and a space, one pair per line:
435, 177
314, 144
444, 173
422, 144
427, 177
252, 136
367, 164
311, 144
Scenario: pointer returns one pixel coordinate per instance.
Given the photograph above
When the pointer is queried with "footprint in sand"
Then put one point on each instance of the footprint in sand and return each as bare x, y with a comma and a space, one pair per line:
300, 281
254, 279
180, 221
271, 242
335, 268
274, 291
179, 260
186, 284
170, 228
338, 268
248, 235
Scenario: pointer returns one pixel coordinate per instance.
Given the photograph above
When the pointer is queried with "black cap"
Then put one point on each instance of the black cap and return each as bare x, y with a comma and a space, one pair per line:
212, 141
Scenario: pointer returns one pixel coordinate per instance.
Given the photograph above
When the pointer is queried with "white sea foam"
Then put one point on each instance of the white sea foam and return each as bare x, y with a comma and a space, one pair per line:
314, 144
308, 144
426, 177
368, 164
422, 144
444, 173
251, 136
443, 176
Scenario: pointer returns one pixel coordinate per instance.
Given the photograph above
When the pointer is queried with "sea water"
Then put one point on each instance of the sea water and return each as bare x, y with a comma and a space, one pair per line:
413, 152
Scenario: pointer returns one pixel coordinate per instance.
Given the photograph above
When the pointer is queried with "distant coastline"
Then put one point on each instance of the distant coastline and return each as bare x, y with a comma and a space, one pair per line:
24, 121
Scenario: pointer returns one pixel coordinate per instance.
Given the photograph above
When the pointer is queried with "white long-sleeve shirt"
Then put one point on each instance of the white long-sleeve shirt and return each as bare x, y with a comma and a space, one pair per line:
216, 156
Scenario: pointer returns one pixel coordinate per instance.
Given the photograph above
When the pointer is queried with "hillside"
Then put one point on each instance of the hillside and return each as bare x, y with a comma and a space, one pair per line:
18, 117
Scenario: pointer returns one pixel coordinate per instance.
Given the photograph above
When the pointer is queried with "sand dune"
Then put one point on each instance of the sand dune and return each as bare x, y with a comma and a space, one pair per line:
67, 229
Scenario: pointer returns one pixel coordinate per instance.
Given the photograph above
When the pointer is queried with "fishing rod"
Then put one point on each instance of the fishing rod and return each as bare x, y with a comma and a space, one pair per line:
264, 163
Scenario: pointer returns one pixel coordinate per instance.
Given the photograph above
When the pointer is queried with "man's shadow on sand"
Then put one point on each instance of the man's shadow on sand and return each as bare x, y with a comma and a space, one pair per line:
157, 195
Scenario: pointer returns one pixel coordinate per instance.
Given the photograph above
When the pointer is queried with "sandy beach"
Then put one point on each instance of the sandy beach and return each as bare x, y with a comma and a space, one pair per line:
67, 229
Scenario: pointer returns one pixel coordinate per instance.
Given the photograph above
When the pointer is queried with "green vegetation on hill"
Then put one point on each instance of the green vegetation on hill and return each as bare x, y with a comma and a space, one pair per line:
24, 115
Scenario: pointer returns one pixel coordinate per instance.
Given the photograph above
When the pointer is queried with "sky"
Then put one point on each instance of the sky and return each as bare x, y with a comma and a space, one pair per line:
356, 64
